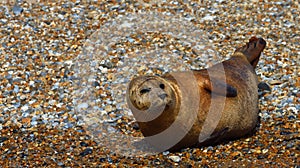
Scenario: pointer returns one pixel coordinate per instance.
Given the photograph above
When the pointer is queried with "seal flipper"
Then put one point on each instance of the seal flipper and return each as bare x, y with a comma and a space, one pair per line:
252, 50
219, 87
211, 84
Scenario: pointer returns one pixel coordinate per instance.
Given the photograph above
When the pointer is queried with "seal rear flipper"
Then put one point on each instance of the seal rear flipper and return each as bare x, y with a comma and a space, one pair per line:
219, 87
252, 50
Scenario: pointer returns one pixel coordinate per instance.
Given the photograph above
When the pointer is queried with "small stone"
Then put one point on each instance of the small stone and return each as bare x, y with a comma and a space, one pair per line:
264, 151
175, 158
165, 153
275, 82
264, 86
92, 15
86, 152
104, 70
83, 144
260, 157
17, 10
24, 108
2, 139
102, 159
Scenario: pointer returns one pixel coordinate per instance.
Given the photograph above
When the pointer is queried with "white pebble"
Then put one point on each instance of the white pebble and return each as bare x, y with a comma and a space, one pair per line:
175, 158
24, 108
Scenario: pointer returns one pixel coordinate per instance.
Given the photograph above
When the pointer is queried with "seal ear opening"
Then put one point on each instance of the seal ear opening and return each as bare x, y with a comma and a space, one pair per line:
219, 87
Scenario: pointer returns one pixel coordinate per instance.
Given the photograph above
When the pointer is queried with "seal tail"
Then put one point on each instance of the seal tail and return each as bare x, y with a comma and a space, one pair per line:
253, 49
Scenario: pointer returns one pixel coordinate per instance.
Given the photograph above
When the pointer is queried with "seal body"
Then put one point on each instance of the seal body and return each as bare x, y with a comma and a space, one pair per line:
202, 107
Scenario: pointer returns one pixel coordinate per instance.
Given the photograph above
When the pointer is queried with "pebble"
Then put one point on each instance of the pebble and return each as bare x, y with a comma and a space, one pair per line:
175, 158
264, 86
275, 82
17, 10
41, 46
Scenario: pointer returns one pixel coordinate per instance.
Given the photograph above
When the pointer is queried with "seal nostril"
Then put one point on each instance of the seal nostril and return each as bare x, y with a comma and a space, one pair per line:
162, 86
145, 90
162, 96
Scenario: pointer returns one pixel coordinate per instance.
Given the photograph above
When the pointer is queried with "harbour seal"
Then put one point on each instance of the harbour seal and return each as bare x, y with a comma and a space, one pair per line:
225, 97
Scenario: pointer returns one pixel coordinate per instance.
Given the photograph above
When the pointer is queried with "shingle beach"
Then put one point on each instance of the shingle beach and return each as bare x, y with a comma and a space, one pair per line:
64, 67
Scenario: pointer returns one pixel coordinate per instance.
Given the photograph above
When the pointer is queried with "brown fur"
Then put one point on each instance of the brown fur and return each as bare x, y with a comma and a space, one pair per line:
238, 90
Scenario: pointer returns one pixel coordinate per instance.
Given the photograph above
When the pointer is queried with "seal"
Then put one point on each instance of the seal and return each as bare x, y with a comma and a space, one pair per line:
221, 104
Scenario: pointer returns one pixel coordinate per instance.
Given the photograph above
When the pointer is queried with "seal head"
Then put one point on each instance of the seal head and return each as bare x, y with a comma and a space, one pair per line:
152, 99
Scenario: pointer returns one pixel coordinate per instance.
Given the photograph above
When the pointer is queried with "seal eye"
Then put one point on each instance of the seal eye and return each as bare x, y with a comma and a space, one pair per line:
162, 86
145, 90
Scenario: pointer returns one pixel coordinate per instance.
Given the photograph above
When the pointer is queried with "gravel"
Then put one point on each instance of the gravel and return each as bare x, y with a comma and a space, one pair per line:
64, 67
